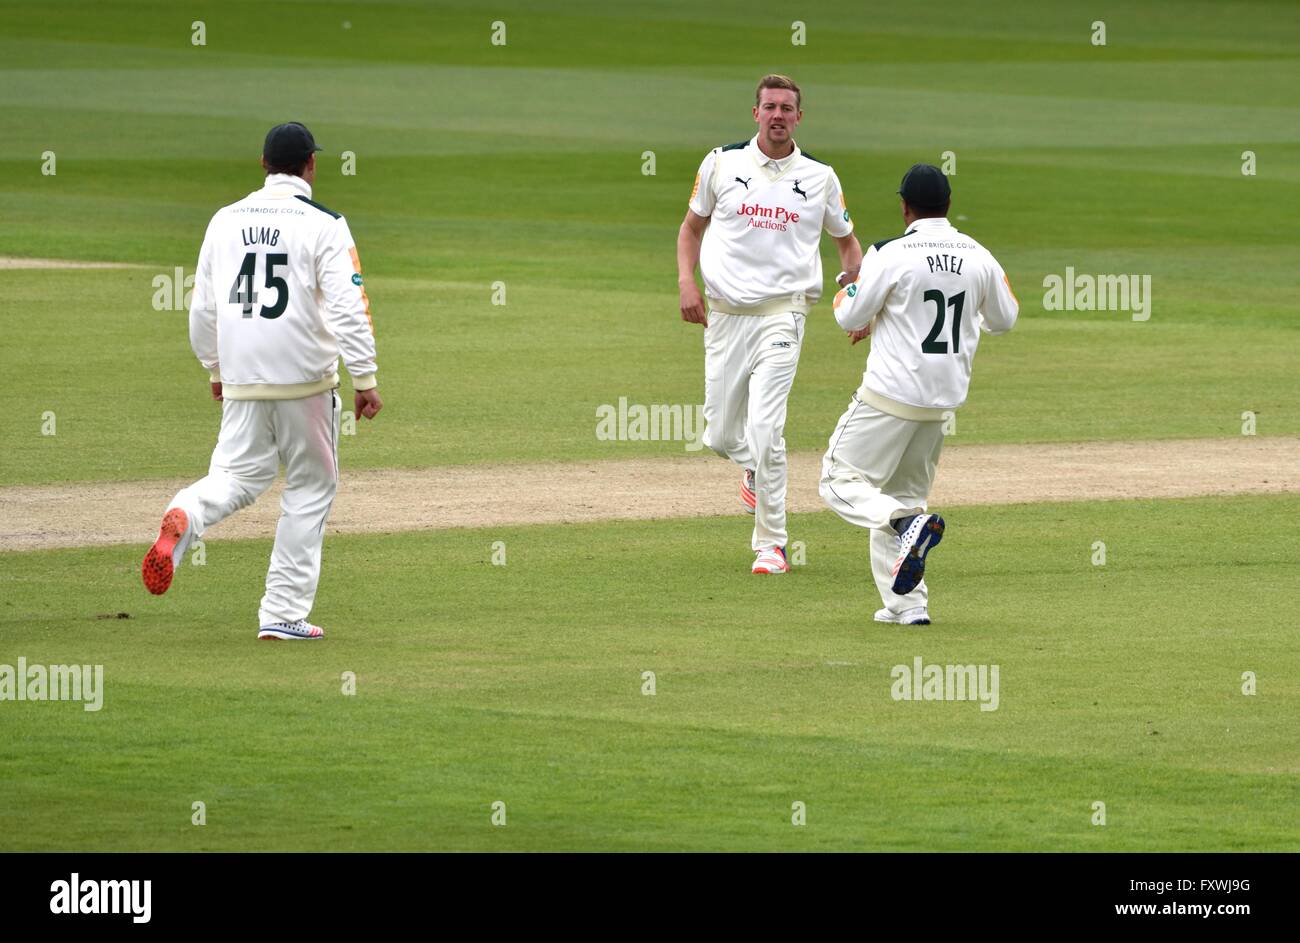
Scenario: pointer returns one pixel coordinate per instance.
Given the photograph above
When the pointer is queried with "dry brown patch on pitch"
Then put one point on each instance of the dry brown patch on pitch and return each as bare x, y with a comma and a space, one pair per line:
687, 486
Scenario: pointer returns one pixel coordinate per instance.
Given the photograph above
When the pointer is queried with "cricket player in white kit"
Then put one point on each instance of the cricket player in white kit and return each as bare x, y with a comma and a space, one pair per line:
277, 299
924, 297
754, 227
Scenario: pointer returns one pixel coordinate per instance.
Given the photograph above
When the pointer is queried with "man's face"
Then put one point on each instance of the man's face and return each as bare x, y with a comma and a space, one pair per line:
777, 115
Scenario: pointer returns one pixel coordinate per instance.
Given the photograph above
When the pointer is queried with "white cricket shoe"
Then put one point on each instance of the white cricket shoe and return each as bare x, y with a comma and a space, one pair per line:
918, 616
289, 631
771, 560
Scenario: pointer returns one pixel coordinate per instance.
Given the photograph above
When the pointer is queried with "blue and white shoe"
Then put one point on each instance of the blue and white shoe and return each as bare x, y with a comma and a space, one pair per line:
922, 535
289, 631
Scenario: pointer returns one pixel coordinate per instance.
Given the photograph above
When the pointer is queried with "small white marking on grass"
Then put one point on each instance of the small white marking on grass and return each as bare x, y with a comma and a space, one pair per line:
12, 262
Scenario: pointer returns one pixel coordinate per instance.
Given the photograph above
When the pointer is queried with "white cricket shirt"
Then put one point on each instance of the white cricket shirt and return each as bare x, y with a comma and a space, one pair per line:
931, 290
278, 297
761, 251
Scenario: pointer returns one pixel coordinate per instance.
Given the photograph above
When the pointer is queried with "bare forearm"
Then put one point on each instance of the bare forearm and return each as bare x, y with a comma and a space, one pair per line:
689, 238
850, 255
688, 254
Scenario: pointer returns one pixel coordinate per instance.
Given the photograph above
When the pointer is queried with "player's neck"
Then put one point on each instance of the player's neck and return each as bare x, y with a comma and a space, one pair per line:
775, 152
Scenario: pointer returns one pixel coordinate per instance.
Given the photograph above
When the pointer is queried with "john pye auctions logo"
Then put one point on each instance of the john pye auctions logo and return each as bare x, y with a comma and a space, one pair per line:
767, 217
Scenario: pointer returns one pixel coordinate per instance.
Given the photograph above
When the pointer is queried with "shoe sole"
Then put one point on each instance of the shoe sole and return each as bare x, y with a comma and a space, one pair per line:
911, 569
901, 622
158, 569
270, 635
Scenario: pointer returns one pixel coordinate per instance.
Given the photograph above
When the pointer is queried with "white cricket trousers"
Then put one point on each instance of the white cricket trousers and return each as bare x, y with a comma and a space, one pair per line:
749, 367
879, 468
256, 437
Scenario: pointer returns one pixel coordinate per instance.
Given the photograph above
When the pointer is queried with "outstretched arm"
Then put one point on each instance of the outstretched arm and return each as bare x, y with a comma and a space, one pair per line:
862, 299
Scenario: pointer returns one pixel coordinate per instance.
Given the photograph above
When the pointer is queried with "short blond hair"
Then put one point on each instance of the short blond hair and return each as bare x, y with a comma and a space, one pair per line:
778, 81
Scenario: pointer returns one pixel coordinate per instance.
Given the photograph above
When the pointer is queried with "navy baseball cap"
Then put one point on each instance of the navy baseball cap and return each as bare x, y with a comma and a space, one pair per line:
288, 145
925, 186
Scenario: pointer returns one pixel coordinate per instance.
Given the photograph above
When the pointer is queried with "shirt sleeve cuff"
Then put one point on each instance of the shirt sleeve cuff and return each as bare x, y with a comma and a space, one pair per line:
215, 374
367, 382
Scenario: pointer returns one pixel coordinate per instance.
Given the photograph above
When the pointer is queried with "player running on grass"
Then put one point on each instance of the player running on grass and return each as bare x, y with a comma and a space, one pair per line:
928, 293
277, 297
754, 228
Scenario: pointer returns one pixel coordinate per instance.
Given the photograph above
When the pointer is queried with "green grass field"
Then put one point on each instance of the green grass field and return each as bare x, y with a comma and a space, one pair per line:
1112, 689
522, 164
478, 164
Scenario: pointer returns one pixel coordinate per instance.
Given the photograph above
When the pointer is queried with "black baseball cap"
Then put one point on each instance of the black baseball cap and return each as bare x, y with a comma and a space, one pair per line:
288, 145
925, 186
